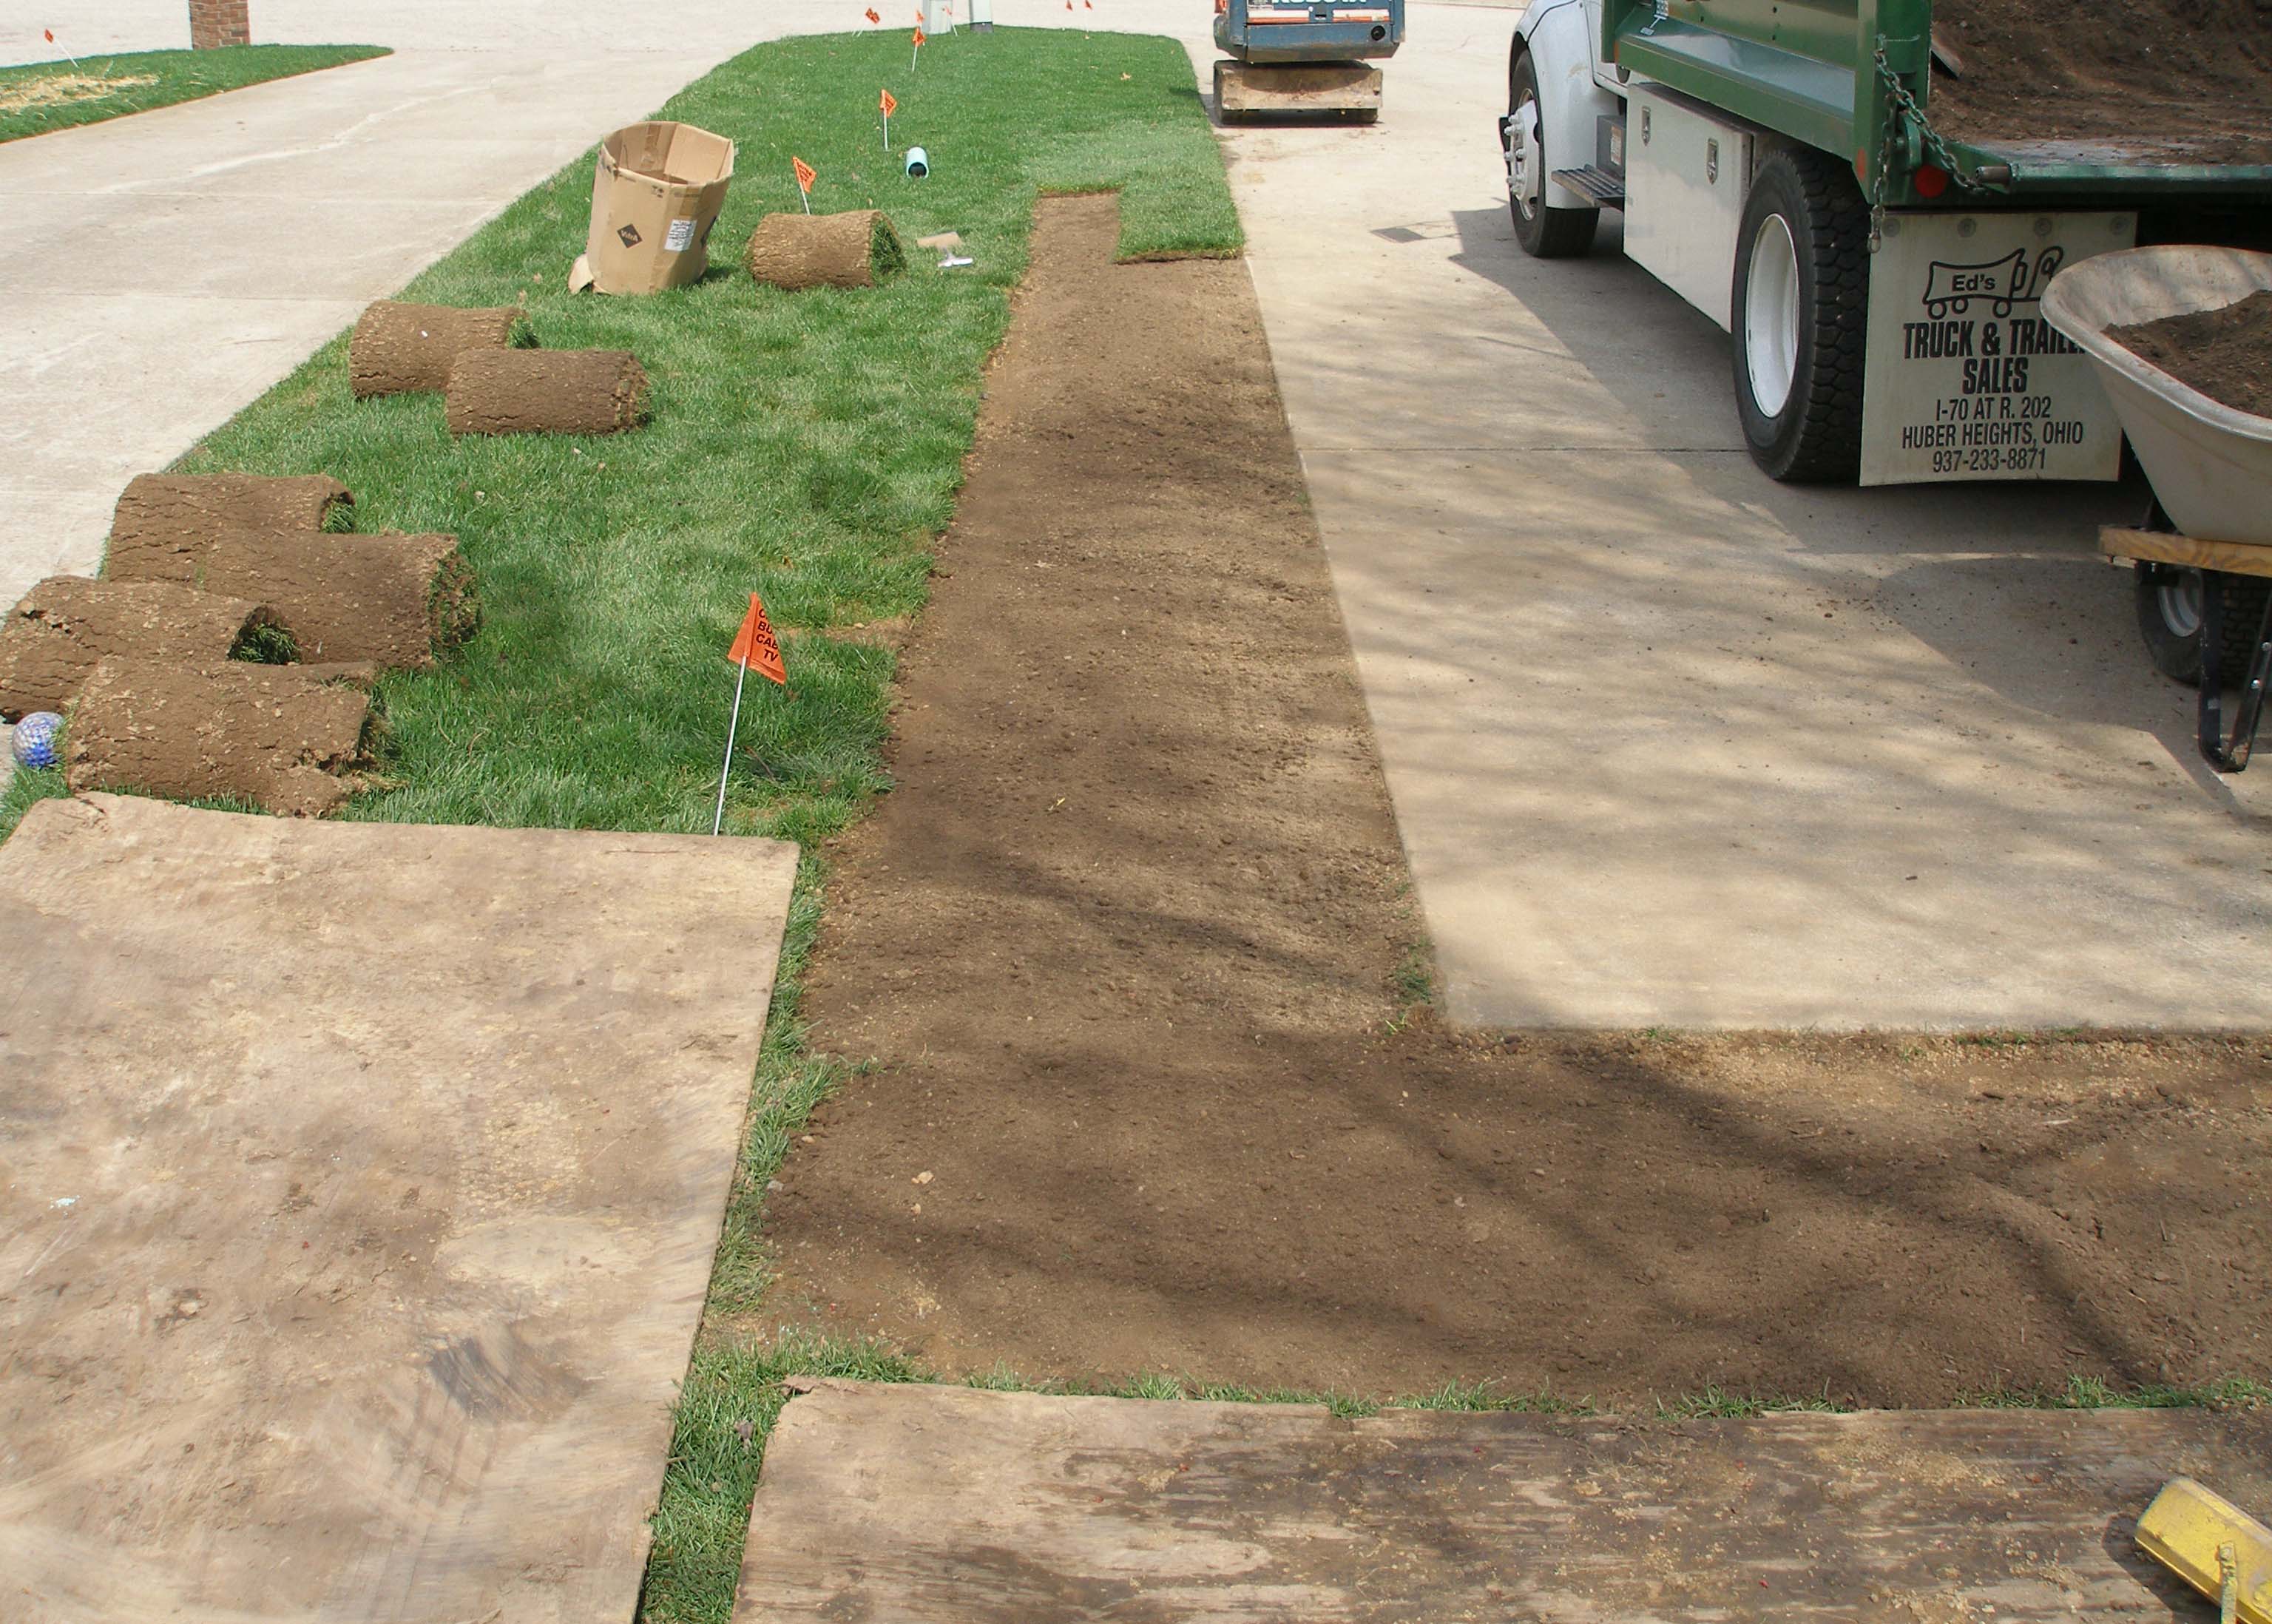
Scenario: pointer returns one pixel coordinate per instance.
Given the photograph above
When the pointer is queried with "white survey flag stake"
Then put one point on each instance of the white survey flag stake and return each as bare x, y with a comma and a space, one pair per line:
741, 675
754, 642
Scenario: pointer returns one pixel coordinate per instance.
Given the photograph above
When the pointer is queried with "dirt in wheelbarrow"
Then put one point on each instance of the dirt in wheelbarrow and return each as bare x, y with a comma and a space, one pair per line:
2183, 81
1130, 948
2225, 353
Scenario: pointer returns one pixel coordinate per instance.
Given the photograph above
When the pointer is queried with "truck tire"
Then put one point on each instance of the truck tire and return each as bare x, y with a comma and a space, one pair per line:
2169, 621
1798, 313
1545, 233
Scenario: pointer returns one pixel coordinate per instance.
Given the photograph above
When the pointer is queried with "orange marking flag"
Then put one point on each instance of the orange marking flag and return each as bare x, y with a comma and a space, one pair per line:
874, 16
756, 646
805, 173
890, 103
919, 37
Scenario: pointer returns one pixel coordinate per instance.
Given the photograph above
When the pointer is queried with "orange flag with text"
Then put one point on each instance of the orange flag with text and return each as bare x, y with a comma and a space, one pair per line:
756, 647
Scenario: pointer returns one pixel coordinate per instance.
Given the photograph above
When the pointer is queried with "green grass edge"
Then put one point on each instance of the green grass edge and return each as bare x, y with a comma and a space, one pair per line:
182, 76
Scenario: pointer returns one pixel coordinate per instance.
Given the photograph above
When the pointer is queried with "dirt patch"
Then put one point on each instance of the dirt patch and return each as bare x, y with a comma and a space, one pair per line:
44, 90
165, 507
1126, 942
2226, 354
408, 349
2182, 80
394, 600
271, 735
52, 639
854, 250
545, 391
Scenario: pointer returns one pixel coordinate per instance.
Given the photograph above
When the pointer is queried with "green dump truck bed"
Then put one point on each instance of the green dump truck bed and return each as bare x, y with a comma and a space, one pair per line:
1844, 76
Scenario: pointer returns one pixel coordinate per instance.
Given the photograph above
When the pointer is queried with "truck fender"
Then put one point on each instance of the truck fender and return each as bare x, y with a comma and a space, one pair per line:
1559, 40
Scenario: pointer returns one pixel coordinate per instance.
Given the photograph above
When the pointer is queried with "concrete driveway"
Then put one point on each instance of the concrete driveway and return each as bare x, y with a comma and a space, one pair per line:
1671, 744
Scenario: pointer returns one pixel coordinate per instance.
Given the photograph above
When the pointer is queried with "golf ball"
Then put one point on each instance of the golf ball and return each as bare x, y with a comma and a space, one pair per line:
34, 744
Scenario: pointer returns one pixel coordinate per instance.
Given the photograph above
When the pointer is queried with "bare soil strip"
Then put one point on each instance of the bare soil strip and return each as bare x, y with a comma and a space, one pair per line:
1126, 942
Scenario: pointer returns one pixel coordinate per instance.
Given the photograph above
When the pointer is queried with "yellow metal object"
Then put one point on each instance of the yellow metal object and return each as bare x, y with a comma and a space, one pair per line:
2213, 1545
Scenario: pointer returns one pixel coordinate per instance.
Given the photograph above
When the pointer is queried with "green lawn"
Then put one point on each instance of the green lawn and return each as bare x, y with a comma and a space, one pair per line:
807, 446
41, 96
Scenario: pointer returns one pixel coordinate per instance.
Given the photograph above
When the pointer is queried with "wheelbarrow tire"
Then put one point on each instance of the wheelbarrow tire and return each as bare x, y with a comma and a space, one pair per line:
1545, 232
1798, 308
2169, 621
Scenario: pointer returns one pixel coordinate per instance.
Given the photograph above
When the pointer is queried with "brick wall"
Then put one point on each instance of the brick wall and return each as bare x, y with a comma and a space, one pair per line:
219, 22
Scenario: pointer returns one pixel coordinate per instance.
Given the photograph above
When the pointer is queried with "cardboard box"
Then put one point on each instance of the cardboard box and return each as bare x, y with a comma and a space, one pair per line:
655, 197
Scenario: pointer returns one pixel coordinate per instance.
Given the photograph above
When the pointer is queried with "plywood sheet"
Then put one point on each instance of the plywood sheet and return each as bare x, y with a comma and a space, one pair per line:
894, 1504
358, 1190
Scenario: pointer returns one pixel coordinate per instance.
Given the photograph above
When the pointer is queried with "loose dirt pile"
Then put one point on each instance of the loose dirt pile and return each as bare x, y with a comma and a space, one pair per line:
545, 391
163, 507
2226, 354
2182, 80
1126, 940
394, 600
854, 250
52, 641
408, 348
271, 735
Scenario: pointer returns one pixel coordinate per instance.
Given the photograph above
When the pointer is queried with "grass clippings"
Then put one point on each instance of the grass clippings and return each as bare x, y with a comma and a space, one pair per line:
41, 97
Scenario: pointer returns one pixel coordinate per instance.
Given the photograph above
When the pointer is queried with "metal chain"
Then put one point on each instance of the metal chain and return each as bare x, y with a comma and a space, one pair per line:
1899, 104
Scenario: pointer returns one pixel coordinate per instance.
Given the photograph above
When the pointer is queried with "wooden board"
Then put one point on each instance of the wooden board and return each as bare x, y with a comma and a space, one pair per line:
358, 1190
896, 1504
1296, 88
2159, 547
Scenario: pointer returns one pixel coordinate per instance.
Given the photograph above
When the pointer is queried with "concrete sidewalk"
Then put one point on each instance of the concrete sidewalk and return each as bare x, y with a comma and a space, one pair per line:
162, 271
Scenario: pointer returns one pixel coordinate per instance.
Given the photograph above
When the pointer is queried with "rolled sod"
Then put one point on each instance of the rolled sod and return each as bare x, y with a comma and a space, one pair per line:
393, 600
271, 735
545, 391
63, 627
854, 250
408, 349
162, 505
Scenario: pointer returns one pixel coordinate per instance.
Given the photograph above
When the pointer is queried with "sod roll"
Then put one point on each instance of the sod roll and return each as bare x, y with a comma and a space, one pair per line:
53, 639
268, 734
408, 349
393, 600
170, 504
545, 391
854, 250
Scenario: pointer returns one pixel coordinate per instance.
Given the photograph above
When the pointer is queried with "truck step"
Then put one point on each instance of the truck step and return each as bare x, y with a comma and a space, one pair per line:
1596, 183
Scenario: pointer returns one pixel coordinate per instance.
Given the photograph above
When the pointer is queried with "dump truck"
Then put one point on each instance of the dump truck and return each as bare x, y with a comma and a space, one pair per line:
1871, 200
1303, 56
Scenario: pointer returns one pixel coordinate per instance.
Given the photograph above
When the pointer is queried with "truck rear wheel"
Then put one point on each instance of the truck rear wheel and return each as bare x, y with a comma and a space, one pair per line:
1798, 310
1545, 233
2169, 621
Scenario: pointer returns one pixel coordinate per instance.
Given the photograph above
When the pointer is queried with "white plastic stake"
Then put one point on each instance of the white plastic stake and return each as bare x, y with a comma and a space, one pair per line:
741, 673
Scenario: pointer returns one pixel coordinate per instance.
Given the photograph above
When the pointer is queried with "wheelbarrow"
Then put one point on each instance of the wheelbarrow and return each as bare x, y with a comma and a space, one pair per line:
2204, 550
